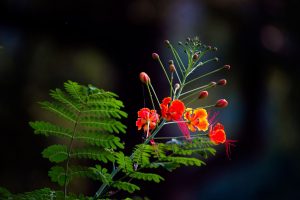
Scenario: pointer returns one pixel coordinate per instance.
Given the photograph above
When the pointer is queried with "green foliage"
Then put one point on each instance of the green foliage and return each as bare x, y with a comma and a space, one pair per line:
129, 187
102, 174
147, 176
88, 119
125, 163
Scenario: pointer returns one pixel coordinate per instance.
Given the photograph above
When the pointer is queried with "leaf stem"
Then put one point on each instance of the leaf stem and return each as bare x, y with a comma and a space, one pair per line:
69, 156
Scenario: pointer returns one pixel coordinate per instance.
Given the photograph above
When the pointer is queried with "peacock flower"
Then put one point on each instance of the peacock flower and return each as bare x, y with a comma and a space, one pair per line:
196, 119
172, 110
218, 136
147, 119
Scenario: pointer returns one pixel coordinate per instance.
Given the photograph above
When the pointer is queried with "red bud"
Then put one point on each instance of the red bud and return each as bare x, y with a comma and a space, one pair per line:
203, 94
195, 57
144, 78
221, 103
155, 56
222, 82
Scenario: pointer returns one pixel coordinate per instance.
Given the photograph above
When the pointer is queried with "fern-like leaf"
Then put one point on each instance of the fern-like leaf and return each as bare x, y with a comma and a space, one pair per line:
102, 174
46, 128
124, 162
147, 176
109, 125
59, 110
56, 153
58, 175
99, 139
129, 187
185, 161
93, 153
76, 91
60, 96
142, 154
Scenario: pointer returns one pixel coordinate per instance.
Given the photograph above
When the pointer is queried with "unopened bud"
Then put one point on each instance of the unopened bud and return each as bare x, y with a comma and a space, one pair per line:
215, 49
203, 94
216, 59
172, 68
227, 67
195, 57
188, 39
222, 82
176, 86
167, 43
155, 56
144, 78
212, 84
209, 47
221, 103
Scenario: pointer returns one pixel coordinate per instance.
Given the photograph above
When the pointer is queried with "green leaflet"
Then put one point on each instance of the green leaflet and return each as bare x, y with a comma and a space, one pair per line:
102, 174
58, 153
129, 187
147, 176
142, 154
124, 162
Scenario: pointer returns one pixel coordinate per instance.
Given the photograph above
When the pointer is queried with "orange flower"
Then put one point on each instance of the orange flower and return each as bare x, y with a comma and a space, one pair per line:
172, 110
217, 134
197, 119
147, 119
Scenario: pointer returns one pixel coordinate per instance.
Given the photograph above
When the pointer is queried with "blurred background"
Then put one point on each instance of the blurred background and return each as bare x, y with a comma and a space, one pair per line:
107, 43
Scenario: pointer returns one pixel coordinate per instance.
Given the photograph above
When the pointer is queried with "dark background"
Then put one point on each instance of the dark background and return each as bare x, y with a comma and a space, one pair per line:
107, 43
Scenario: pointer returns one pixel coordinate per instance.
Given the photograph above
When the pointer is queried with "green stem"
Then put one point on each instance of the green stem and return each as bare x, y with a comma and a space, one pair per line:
178, 60
163, 67
150, 96
204, 75
198, 88
69, 156
152, 88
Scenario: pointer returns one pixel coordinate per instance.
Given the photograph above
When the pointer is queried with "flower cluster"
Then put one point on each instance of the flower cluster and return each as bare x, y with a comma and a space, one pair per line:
175, 108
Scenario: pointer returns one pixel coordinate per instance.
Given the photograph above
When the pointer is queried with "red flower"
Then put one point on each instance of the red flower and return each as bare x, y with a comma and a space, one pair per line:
217, 134
172, 110
147, 119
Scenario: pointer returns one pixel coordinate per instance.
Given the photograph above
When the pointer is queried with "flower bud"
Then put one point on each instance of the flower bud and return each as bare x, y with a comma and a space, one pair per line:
215, 49
172, 68
216, 59
171, 62
227, 67
222, 82
144, 78
155, 56
167, 43
203, 94
195, 57
212, 84
221, 103
176, 86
